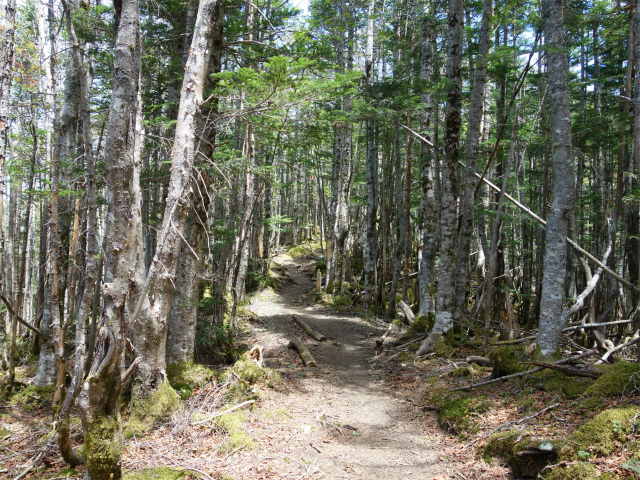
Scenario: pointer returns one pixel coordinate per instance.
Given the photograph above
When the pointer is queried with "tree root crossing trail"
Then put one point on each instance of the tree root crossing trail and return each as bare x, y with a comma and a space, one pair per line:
346, 421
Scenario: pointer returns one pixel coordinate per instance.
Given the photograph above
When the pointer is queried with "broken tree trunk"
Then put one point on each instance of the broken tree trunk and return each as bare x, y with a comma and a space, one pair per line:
310, 331
305, 355
406, 309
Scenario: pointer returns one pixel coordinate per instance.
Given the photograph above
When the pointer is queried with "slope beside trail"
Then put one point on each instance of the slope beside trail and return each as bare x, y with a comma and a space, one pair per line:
343, 419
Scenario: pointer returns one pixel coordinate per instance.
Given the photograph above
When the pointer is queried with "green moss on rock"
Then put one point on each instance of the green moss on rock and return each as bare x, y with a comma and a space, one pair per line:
232, 424
194, 374
602, 435
462, 372
613, 383
556, 382
581, 471
525, 455
148, 410
591, 403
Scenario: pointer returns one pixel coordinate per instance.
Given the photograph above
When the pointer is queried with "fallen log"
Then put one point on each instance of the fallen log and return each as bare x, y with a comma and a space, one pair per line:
479, 360
528, 372
310, 331
406, 309
384, 336
305, 355
569, 371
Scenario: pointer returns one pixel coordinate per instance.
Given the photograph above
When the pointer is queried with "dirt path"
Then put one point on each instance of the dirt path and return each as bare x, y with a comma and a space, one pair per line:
346, 422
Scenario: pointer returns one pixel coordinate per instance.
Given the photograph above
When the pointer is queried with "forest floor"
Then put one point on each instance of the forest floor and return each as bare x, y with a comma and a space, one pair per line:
356, 416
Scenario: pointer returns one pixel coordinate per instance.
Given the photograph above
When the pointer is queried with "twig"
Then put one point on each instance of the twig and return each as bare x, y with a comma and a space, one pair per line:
234, 451
33, 464
219, 414
546, 409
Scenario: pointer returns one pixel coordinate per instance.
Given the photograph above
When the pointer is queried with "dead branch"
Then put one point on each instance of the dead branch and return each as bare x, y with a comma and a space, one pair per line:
310, 331
528, 372
569, 371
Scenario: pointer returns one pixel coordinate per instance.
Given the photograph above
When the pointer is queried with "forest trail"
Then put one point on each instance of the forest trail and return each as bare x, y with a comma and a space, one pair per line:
346, 421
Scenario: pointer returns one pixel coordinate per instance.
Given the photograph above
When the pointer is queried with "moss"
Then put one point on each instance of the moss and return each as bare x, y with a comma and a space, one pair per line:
462, 372
601, 435
194, 374
591, 403
247, 370
33, 395
232, 423
148, 410
184, 389
556, 382
457, 416
303, 250
104, 445
613, 383
420, 326
505, 362
525, 404
406, 357
443, 346
3, 432
511, 447
155, 473
581, 471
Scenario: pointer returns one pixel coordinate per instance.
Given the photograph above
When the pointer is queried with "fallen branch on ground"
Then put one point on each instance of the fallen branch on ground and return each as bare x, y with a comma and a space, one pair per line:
305, 354
528, 372
220, 414
310, 331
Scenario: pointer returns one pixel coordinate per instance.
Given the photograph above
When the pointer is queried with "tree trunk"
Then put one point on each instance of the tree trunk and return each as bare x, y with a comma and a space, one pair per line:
150, 336
99, 399
553, 288
371, 251
443, 327
472, 147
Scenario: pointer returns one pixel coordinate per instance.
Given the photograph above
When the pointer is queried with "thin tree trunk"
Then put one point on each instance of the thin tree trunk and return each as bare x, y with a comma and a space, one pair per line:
99, 399
472, 150
150, 336
443, 327
553, 288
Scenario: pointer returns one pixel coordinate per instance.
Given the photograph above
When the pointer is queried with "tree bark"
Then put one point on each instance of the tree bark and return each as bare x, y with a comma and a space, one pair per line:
99, 399
553, 288
150, 336
472, 149
443, 326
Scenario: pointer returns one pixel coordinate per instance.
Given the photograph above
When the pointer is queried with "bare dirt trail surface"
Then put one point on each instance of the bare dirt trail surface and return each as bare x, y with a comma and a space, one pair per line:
345, 420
